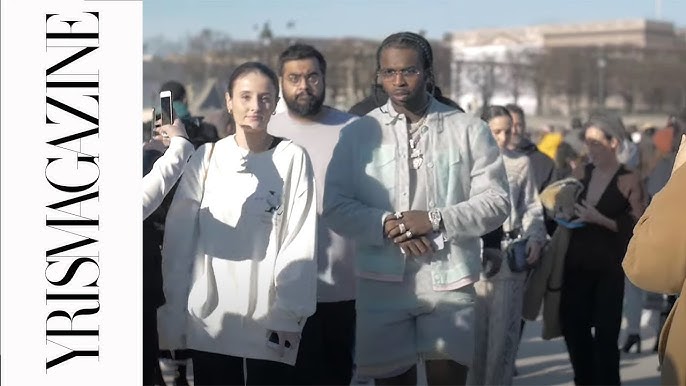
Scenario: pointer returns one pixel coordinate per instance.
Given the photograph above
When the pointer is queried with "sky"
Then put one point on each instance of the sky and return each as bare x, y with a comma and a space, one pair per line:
375, 19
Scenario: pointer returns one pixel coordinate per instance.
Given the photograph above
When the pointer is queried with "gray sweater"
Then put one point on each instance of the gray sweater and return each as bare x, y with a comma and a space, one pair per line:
526, 212
335, 253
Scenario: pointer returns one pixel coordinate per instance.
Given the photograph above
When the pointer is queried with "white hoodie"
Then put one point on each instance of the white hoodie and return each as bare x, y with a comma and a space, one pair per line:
238, 260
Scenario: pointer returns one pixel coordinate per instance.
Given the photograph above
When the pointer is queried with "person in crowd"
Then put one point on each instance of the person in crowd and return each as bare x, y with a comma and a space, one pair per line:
627, 152
326, 348
542, 166
239, 246
571, 151
648, 154
667, 143
575, 136
172, 141
634, 297
500, 298
415, 183
656, 261
374, 100
199, 132
593, 290
159, 177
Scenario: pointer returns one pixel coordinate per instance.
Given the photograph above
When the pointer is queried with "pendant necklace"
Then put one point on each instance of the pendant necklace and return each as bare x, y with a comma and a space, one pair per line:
414, 133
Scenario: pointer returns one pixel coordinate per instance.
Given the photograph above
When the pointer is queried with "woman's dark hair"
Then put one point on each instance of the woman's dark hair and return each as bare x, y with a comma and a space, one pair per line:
610, 124
494, 111
249, 67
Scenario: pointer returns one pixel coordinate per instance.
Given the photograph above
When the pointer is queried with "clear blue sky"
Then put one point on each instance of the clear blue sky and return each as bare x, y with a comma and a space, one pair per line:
174, 19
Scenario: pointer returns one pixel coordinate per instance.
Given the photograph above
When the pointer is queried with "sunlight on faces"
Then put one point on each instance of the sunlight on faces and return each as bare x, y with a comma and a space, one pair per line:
501, 128
254, 100
601, 150
403, 87
303, 86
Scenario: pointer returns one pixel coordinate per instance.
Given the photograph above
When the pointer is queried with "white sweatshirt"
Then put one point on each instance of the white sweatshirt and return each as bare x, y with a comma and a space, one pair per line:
238, 260
164, 173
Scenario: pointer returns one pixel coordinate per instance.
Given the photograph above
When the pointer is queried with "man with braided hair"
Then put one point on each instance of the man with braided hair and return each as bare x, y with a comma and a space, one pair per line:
415, 183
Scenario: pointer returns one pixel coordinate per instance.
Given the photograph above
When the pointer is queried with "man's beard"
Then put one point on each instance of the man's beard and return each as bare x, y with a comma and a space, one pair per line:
308, 109
515, 142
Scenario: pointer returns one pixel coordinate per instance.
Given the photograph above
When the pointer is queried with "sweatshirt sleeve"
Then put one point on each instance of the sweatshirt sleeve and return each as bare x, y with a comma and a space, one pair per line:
656, 257
295, 271
489, 199
178, 248
345, 213
166, 170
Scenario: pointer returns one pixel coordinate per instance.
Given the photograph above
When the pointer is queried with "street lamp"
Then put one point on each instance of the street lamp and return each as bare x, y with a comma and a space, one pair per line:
602, 63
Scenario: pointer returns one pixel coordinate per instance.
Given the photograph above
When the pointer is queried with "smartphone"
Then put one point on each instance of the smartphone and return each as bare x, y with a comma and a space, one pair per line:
274, 341
166, 105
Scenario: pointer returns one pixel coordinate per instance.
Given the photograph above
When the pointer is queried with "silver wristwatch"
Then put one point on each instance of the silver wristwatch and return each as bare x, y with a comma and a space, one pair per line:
435, 217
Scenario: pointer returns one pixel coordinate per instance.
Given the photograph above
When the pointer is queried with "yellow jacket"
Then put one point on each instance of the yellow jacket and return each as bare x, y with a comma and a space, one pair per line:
549, 144
656, 261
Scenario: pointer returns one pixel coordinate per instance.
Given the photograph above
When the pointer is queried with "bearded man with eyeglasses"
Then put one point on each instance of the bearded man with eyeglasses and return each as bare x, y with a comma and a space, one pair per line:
325, 356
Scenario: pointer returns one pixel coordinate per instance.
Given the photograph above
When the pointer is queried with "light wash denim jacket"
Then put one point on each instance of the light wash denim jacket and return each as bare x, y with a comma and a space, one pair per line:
368, 179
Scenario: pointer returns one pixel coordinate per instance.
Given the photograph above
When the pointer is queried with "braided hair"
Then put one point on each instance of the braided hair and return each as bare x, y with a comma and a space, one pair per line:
413, 41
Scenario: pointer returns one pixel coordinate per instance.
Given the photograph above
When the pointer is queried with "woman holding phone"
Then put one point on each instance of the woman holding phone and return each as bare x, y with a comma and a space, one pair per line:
239, 246
593, 290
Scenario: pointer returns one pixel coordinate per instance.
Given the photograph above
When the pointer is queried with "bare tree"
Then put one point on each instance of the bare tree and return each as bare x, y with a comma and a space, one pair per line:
482, 75
518, 72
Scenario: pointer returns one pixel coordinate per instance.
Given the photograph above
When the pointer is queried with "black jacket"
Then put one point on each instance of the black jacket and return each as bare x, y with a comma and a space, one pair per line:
542, 166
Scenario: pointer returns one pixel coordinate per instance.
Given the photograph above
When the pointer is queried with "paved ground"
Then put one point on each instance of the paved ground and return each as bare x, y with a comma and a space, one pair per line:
543, 362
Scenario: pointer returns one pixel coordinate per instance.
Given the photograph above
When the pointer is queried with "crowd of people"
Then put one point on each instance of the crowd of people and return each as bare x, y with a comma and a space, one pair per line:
315, 243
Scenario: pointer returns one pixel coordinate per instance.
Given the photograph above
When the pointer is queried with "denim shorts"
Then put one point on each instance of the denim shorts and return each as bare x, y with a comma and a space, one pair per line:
401, 322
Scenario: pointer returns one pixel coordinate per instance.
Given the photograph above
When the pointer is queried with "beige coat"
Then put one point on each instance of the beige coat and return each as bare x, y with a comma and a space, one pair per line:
545, 285
656, 261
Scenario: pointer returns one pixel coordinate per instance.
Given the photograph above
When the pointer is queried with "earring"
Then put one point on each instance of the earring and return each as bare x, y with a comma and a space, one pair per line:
274, 112
230, 112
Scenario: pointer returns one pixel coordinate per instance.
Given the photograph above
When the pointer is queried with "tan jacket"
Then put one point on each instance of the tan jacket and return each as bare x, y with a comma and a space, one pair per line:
656, 261
545, 285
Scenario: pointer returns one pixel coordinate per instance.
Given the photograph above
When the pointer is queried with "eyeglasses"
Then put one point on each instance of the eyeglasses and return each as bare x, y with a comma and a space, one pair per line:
312, 79
389, 73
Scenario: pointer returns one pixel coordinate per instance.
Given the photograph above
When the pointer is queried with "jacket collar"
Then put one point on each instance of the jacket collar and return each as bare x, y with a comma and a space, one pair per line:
392, 116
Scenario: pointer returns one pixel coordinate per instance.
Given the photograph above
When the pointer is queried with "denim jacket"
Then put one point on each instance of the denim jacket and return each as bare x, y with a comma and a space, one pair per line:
368, 179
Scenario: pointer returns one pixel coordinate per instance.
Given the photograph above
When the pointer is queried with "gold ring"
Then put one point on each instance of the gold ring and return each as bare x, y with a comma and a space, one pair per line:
402, 227
408, 234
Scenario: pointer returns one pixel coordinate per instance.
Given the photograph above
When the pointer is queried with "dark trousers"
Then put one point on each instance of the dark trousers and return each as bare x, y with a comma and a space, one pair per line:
325, 356
593, 299
151, 364
217, 369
